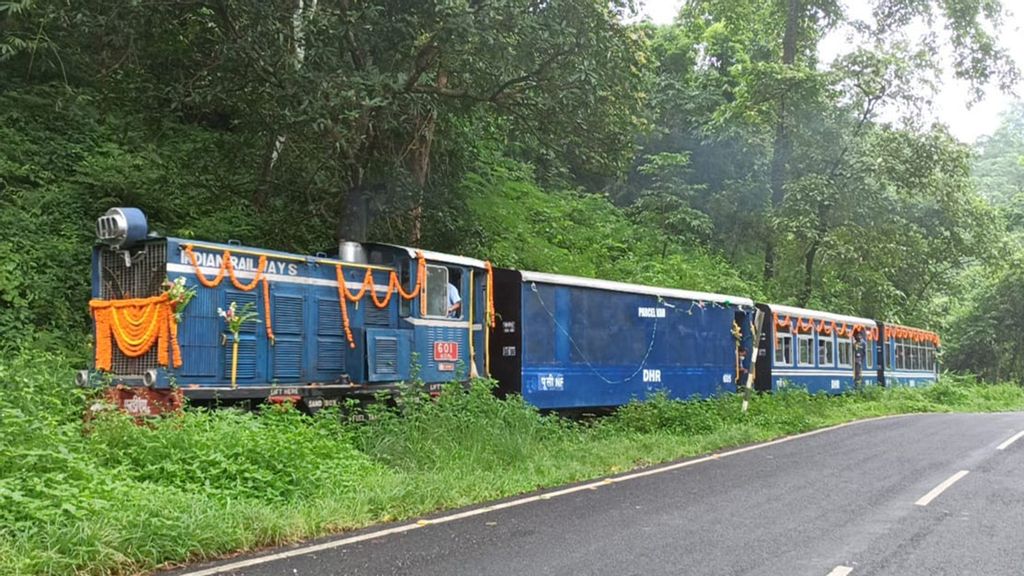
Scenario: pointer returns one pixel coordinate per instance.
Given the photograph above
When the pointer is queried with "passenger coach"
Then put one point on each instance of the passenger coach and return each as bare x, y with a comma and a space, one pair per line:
911, 355
819, 351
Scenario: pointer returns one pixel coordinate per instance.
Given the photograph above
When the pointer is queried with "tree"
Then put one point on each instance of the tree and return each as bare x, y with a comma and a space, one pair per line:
363, 88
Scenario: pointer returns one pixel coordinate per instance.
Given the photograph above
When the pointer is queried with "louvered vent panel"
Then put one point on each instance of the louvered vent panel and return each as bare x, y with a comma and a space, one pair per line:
246, 359
376, 316
386, 355
328, 318
330, 355
199, 335
287, 314
288, 359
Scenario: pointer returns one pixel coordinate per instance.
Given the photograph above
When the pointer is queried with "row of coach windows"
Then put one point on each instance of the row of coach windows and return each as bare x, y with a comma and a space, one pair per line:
910, 355
826, 353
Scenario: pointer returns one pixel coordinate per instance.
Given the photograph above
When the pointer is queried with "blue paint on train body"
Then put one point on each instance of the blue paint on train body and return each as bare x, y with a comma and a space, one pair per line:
818, 351
310, 353
590, 344
560, 342
907, 362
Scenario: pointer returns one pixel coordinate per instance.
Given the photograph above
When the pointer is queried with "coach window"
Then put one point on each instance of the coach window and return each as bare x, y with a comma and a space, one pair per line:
845, 352
825, 357
869, 353
783, 349
805, 352
888, 356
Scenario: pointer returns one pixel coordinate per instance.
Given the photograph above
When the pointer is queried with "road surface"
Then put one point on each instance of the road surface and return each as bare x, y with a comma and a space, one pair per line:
937, 494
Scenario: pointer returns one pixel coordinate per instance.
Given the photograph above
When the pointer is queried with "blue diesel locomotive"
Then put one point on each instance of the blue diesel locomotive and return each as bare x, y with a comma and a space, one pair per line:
177, 318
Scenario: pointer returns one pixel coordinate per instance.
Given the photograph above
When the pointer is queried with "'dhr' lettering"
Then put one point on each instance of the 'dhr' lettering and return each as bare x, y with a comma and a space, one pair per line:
652, 375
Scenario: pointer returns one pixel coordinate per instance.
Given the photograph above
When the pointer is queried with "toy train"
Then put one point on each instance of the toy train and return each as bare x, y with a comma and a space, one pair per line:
177, 319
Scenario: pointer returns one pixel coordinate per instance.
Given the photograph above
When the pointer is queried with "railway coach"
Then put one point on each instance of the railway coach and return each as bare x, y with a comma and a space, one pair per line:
818, 351
565, 342
908, 356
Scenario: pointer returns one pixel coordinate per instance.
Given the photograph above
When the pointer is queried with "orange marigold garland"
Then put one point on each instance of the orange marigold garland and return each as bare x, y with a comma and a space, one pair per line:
801, 326
228, 268
785, 322
394, 285
824, 328
199, 274
368, 282
135, 325
266, 309
342, 293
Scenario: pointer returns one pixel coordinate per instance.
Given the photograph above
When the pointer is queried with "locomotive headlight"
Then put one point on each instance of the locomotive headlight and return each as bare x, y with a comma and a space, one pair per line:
82, 378
121, 227
149, 378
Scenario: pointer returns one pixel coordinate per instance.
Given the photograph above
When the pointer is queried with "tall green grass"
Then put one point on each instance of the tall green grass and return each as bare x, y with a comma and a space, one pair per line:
111, 496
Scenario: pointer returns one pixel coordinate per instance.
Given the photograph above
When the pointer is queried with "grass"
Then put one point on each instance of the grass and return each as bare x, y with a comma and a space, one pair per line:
109, 496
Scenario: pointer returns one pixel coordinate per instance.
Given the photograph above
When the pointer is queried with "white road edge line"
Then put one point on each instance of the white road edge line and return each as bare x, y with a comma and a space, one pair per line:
927, 498
234, 566
840, 571
1012, 439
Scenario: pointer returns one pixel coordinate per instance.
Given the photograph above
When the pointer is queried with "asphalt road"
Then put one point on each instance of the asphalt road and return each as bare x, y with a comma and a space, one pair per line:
859, 500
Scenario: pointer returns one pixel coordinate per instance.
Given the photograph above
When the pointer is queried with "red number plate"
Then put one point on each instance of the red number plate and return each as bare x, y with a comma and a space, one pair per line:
446, 351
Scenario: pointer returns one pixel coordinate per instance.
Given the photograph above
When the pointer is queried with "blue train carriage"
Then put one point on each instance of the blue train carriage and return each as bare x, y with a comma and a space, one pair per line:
568, 343
911, 355
819, 351
322, 328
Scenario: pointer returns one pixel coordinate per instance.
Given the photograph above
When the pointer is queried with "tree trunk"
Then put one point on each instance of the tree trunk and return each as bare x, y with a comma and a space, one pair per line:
419, 162
298, 57
808, 287
783, 147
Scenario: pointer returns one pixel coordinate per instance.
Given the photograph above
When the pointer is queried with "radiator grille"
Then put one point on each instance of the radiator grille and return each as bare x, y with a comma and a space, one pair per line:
142, 279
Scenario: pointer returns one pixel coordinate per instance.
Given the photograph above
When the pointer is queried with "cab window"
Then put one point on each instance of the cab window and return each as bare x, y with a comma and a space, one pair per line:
437, 291
443, 292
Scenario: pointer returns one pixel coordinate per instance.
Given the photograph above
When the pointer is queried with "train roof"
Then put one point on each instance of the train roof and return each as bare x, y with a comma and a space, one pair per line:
432, 256
632, 288
889, 325
819, 315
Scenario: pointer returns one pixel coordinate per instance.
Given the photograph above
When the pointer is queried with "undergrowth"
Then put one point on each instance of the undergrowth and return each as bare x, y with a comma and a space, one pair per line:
111, 496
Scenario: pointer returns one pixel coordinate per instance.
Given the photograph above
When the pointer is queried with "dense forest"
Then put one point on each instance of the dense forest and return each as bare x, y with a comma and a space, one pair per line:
717, 153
